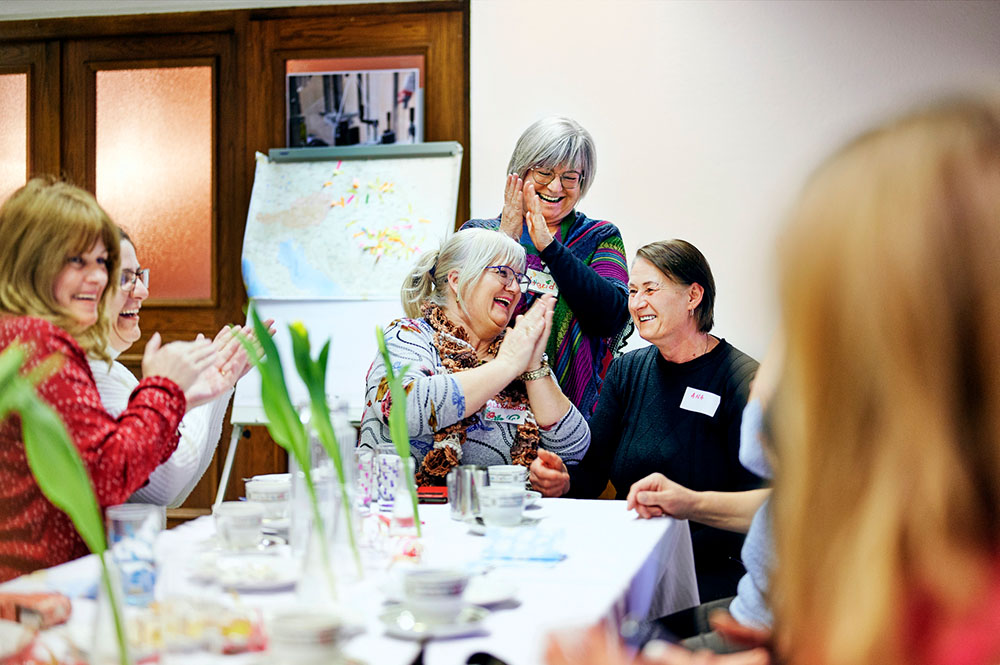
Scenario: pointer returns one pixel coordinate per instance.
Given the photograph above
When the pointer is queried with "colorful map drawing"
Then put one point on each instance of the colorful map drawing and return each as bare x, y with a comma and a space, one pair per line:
345, 229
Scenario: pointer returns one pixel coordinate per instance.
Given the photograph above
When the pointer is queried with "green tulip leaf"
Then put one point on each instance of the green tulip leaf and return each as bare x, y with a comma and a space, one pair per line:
56, 463
398, 431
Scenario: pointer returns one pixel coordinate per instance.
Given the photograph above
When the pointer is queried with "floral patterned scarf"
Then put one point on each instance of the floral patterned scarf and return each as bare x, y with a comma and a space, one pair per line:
457, 355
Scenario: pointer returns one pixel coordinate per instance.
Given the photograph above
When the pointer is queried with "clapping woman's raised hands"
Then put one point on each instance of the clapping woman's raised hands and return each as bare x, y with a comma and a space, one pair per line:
512, 217
523, 344
181, 362
541, 237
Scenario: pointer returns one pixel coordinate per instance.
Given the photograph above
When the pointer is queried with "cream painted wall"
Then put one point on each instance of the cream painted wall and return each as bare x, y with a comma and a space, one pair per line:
708, 115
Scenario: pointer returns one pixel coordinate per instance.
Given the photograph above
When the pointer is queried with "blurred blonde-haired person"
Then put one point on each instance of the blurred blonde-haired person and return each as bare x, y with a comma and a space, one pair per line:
887, 418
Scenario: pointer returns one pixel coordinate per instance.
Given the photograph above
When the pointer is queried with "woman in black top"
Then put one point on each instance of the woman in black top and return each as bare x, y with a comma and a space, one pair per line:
674, 407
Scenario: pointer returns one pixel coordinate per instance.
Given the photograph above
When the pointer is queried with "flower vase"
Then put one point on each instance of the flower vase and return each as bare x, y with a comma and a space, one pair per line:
317, 585
403, 522
105, 648
324, 480
310, 539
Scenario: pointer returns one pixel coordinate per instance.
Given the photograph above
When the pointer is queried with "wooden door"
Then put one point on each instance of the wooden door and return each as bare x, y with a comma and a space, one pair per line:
147, 183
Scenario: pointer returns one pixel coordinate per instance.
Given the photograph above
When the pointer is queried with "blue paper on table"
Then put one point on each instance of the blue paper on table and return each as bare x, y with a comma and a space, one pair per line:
524, 543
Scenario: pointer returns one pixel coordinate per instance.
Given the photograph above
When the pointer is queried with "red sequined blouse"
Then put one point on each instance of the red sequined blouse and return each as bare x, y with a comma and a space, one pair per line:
119, 453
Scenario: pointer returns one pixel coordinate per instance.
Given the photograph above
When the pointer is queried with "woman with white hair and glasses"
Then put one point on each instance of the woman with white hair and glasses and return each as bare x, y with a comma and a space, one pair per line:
579, 260
477, 392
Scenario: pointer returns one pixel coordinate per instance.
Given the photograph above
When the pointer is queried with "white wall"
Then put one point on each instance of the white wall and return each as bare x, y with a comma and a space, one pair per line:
708, 115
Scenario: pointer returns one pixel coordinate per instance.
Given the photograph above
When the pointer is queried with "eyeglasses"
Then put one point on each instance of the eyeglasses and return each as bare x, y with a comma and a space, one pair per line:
569, 179
506, 275
132, 277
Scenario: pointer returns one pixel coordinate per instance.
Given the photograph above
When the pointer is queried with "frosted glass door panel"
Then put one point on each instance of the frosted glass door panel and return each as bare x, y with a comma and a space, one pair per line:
13, 132
154, 171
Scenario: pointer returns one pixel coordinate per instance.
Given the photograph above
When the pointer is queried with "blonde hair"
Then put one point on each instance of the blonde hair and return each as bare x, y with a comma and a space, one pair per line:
469, 252
42, 224
887, 421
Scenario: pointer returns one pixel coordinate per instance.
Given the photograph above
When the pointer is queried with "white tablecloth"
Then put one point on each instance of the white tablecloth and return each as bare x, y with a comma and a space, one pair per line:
615, 565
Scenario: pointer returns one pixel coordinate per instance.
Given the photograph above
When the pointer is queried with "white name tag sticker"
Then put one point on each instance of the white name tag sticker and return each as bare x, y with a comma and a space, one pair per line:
542, 282
495, 413
700, 401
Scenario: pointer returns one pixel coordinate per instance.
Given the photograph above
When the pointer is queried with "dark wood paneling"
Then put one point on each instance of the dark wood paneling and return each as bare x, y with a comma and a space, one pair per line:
256, 454
441, 37
40, 61
248, 49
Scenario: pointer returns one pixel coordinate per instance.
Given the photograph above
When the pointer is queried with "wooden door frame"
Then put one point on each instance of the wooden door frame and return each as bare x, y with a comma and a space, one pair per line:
256, 41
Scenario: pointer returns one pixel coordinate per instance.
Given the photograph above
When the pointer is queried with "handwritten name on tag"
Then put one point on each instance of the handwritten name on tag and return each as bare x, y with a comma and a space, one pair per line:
500, 414
542, 282
700, 401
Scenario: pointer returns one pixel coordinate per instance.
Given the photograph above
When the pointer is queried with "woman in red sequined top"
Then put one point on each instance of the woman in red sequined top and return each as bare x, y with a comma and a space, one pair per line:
58, 252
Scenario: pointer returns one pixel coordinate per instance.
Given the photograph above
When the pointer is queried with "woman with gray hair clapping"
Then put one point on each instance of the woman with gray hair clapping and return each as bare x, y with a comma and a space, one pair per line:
579, 260
477, 392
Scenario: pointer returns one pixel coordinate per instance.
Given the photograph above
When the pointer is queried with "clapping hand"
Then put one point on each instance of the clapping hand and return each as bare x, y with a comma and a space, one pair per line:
541, 237
546, 306
231, 365
523, 345
181, 362
512, 217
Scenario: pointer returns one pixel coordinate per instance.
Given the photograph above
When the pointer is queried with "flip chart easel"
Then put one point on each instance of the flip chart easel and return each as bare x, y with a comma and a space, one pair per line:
331, 232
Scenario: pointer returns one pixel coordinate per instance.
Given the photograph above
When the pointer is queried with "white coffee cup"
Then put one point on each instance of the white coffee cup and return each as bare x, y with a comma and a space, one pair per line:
238, 524
501, 505
508, 474
435, 595
306, 638
273, 491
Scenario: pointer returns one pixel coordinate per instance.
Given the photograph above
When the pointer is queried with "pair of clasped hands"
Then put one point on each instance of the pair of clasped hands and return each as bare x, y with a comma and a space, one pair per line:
204, 369
522, 349
521, 205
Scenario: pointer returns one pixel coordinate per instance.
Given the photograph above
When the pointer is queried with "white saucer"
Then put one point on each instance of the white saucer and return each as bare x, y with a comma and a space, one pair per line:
276, 527
401, 622
478, 529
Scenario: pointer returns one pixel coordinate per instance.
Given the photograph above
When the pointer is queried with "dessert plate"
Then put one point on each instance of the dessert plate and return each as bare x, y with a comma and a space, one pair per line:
247, 572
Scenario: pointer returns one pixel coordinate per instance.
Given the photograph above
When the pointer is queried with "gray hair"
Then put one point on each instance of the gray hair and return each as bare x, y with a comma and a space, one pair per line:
556, 141
469, 252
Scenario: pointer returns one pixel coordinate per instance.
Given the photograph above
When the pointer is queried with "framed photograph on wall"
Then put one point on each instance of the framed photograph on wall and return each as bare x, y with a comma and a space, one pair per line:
355, 101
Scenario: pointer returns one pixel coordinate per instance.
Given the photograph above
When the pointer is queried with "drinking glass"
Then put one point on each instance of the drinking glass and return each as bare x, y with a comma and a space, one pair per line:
364, 479
390, 479
132, 531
